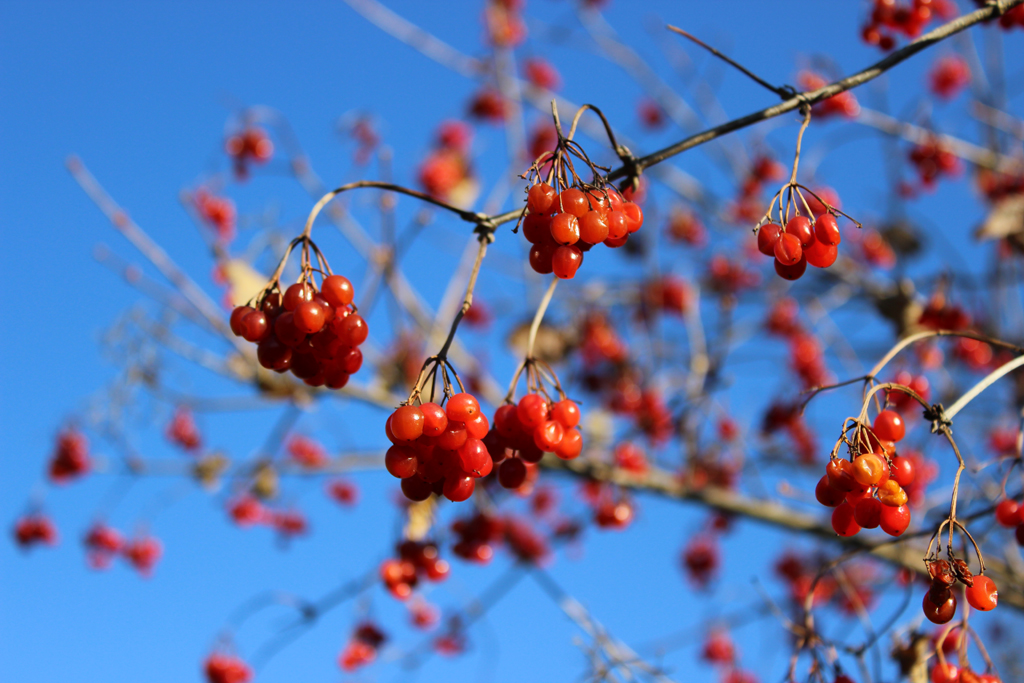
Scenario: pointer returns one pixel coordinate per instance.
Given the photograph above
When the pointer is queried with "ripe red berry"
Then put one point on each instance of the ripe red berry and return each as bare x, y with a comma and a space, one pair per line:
309, 317
888, 426
902, 471
843, 521
462, 407
794, 272
982, 595
571, 444
618, 226
821, 255
458, 489
540, 198
868, 513
941, 613
337, 290
800, 227
453, 436
237, 315
895, 520
574, 202
767, 235
537, 228
407, 423
512, 473
506, 420
594, 227
473, 457
788, 250
400, 462
296, 294
351, 329
566, 412
634, 216
548, 436
286, 330
541, 255
826, 229
828, 495
532, 411
477, 427
566, 261
416, 489
565, 229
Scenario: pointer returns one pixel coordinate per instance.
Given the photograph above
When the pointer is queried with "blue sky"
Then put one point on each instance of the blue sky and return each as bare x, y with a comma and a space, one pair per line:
141, 92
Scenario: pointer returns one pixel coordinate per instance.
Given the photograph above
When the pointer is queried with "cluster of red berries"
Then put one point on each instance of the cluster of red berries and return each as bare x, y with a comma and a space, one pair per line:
362, 647
225, 668
143, 552
438, 450
314, 334
939, 604
248, 511
868, 492
806, 356
933, 160
799, 242
415, 560
788, 417
720, 651
523, 432
889, 18
306, 452
102, 545
844, 104
218, 212
540, 73
701, 559
504, 22
949, 76
70, 458
686, 227
34, 529
251, 145
561, 226
476, 537
947, 672
1010, 514
488, 105
447, 165
182, 430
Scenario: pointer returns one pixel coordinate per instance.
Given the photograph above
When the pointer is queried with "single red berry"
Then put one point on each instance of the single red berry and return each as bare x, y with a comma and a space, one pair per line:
407, 423
982, 595
237, 315
296, 294
826, 229
902, 471
800, 227
941, 613
566, 261
540, 198
453, 436
788, 250
574, 202
400, 462
532, 411
793, 272
828, 495
566, 412
565, 229
594, 227
571, 444
477, 427
548, 435
512, 473
256, 327
351, 329
948, 672
767, 235
473, 457
286, 330
821, 255
457, 489
888, 426
337, 290
506, 420
843, 521
309, 317
618, 226
634, 216
462, 407
895, 520
541, 256
868, 513
416, 489
537, 228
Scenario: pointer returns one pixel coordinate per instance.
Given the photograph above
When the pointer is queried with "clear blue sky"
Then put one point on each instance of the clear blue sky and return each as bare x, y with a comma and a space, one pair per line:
141, 91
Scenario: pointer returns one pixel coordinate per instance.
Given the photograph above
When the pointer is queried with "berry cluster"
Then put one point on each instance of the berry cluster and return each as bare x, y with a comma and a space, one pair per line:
799, 242
143, 552
70, 458
251, 145
561, 226
949, 76
225, 668
933, 160
102, 544
868, 492
477, 536
939, 604
182, 430
523, 432
362, 647
33, 529
686, 227
889, 19
218, 212
438, 449
415, 560
445, 173
314, 333
844, 104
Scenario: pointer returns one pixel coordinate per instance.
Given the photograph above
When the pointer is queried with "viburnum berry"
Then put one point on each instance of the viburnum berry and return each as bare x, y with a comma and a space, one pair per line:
982, 594
143, 552
35, 529
889, 426
939, 613
788, 250
895, 520
226, 668
70, 457
767, 235
843, 521
1008, 513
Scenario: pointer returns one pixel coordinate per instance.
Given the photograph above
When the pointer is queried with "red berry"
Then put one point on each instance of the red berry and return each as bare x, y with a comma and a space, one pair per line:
828, 495
478, 427
237, 315
548, 436
337, 290
1008, 513
286, 330
843, 520
566, 261
453, 436
407, 423
457, 489
256, 327
540, 198
788, 250
634, 216
794, 272
821, 255
594, 227
982, 595
473, 456
512, 473
941, 613
618, 226
532, 411
416, 489
767, 236
506, 420
902, 471
309, 317
541, 255
574, 202
895, 520
571, 444
296, 294
537, 228
826, 229
566, 412
351, 329
888, 426
868, 513
400, 462
462, 407
800, 227
565, 229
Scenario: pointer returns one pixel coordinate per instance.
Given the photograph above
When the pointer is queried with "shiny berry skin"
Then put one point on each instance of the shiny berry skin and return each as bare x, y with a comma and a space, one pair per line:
506, 420
945, 673
869, 468
895, 520
537, 228
407, 423
767, 235
271, 353
532, 411
840, 474
565, 229
889, 426
634, 216
453, 436
800, 227
820, 255
416, 489
571, 444
473, 457
868, 513
827, 495
939, 614
458, 489
843, 521
351, 329
594, 227
309, 317
902, 471
540, 198
337, 290
793, 272
618, 226
788, 250
296, 294
1008, 513
512, 473
286, 330
566, 261
477, 427
566, 412
573, 201
541, 255
548, 435
462, 407
826, 230
256, 327
983, 594
237, 315
400, 462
